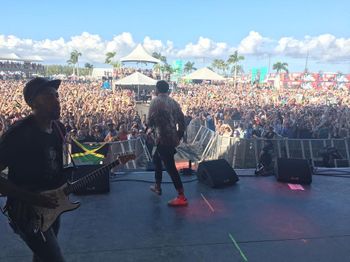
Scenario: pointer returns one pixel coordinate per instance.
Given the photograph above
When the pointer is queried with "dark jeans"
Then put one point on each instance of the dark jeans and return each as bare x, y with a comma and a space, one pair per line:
166, 154
44, 245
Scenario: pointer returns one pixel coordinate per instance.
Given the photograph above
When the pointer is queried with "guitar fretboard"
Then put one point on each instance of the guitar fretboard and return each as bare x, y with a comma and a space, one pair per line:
83, 182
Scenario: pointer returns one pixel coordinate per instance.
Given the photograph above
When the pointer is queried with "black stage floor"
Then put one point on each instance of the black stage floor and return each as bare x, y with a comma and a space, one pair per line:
267, 220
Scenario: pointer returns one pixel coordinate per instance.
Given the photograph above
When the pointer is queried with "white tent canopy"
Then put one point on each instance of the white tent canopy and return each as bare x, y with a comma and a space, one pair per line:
34, 58
102, 72
204, 74
10, 56
136, 79
15, 57
139, 54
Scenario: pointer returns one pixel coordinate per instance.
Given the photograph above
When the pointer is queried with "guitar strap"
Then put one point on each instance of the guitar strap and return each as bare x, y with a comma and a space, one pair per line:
64, 143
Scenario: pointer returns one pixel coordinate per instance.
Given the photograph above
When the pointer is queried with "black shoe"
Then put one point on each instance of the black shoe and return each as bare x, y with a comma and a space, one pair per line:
156, 189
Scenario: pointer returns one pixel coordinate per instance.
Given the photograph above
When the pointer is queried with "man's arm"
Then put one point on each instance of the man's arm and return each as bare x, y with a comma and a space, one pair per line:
180, 121
9, 189
150, 117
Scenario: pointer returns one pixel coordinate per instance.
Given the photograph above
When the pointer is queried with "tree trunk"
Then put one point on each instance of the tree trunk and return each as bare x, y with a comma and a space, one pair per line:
235, 75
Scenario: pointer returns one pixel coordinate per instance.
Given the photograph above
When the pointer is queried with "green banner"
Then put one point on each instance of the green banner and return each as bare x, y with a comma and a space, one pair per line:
263, 73
254, 74
178, 67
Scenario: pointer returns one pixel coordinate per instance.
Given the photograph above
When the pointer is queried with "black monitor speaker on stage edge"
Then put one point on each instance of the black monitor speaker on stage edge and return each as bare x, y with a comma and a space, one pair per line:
293, 170
100, 185
216, 173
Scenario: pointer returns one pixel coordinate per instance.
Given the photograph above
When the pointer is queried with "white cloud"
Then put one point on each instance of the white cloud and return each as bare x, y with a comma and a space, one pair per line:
152, 45
92, 46
205, 47
322, 48
253, 44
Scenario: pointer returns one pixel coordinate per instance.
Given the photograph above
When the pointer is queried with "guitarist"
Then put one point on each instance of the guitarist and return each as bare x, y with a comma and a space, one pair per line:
32, 149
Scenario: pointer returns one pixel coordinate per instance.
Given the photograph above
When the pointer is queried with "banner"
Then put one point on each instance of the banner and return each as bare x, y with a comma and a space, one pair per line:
263, 73
254, 73
178, 67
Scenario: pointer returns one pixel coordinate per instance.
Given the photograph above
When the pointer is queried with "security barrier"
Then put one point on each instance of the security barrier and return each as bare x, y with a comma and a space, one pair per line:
244, 153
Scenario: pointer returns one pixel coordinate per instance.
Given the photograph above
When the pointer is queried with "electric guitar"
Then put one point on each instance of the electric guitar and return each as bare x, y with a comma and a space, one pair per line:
45, 217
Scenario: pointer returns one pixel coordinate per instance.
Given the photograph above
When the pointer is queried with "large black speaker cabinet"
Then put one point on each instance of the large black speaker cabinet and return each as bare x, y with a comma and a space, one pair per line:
216, 173
292, 170
97, 186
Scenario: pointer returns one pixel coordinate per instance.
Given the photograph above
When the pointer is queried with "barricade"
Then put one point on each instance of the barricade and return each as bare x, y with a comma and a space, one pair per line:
244, 153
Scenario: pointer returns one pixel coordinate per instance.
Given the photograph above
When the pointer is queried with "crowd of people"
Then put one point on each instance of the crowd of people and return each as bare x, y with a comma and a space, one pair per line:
252, 112
89, 113
93, 114
125, 71
121, 72
17, 70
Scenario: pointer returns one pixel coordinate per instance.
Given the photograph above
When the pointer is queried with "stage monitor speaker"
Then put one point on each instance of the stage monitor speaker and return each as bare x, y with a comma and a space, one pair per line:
293, 170
100, 185
216, 173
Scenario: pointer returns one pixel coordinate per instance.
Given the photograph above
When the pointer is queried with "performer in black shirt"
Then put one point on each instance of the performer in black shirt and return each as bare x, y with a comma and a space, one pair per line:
32, 149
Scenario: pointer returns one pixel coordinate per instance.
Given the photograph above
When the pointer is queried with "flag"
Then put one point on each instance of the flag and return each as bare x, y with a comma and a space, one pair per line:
91, 154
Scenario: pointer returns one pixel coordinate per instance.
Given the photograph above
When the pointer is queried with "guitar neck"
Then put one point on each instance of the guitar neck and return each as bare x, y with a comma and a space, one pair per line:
83, 182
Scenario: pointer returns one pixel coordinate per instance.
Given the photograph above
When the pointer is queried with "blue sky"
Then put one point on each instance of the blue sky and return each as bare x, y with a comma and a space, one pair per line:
255, 28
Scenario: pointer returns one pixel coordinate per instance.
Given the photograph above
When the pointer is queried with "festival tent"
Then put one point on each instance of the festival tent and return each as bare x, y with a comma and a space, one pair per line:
139, 54
34, 58
10, 57
204, 74
102, 72
15, 57
136, 79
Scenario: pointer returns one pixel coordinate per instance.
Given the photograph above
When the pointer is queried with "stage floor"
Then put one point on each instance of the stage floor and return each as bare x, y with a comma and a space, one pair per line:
267, 220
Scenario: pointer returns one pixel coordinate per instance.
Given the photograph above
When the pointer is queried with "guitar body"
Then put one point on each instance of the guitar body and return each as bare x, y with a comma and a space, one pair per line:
47, 216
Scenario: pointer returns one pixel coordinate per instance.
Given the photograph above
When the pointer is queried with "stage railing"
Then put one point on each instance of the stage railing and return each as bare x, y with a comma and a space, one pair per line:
244, 153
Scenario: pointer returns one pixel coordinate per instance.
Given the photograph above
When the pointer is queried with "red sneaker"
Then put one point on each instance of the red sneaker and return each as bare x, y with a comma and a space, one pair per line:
156, 189
178, 201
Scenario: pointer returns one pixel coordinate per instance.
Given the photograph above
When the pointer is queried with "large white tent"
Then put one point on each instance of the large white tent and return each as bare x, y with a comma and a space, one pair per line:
102, 72
139, 54
136, 79
15, 57
204, 74
10, 56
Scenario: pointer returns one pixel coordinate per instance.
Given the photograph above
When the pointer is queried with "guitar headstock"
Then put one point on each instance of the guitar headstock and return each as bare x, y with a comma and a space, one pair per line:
126, 157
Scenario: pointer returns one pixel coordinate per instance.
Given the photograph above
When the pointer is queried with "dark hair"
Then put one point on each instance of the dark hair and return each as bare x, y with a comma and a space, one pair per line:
162, 86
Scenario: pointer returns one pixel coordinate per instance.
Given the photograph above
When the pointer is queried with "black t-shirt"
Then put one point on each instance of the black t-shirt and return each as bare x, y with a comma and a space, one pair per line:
270, 134
34, 157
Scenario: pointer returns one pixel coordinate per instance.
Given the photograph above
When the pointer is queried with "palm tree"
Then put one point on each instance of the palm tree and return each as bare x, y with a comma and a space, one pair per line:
216, 63
279, 66
220, 65
74, 59
237, 69
89, 67
70, 62
233, 60
189, 67
160, 57
109, 57
159, 67
116, 64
